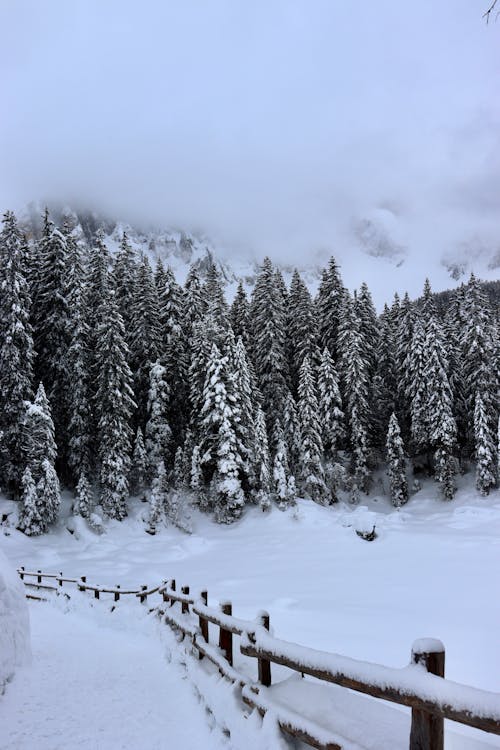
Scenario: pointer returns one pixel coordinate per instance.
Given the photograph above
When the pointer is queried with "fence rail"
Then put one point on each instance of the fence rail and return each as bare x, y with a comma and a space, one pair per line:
420, 685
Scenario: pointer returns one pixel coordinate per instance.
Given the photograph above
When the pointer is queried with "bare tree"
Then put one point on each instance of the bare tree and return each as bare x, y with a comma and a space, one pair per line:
487, 13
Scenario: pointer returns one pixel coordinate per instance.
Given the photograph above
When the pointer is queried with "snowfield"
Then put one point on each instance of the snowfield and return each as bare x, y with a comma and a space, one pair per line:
14, 623
432, 572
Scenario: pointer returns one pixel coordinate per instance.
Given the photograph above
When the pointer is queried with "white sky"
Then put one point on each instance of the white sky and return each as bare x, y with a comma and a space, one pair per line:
270, 124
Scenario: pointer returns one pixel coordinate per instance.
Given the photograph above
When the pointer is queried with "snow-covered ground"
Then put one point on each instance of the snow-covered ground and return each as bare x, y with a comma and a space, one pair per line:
431, 572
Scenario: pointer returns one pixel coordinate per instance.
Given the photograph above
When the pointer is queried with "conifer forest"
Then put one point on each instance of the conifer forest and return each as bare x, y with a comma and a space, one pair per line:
118, 384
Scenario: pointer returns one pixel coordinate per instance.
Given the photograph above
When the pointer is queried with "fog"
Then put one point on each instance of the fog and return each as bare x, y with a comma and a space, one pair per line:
272, 126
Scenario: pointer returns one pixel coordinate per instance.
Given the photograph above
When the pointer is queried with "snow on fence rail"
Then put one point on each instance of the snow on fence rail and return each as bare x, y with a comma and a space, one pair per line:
420, 685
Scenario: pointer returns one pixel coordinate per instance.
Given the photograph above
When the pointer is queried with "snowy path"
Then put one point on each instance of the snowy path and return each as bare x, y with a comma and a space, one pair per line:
98, 687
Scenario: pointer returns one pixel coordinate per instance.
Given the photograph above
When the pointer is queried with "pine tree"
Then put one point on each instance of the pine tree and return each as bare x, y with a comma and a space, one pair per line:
49, 492
16, 353
396, 465
158, 498
283, 480
485, 449
300, 328
268, 342
214, 295
81, 444
194, 301
385, 378
124, 275
262, 462
158, 433
240, 315
291, 431
84, 500
417, 388
328, 305
178, 473
310, 459
114, 407
331, 416
38, 434
139, 464
145, 337
359, 442
53, 333
220, 460
30, 518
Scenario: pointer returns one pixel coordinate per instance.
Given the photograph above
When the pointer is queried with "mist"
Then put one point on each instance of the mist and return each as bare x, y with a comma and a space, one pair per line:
272, 126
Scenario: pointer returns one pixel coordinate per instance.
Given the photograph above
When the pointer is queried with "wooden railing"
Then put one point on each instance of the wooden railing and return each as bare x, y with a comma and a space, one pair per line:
420, 685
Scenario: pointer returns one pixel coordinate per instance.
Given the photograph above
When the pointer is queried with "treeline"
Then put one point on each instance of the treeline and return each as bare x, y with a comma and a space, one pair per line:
114, 379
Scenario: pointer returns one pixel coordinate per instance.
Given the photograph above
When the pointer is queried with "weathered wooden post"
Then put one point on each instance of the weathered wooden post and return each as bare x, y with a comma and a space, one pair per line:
225, 636
264, 664
81, 586
203, 622
143, 597
96, 593
60, 579
117, 593
21, 572
172, 586
427, 730
39, 576
164, 593
185, 605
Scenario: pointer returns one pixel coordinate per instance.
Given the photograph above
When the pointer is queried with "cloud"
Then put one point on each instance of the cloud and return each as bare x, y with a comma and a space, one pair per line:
271, 125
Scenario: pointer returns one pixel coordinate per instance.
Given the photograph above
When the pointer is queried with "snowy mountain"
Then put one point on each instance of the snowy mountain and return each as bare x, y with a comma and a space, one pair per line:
377, 249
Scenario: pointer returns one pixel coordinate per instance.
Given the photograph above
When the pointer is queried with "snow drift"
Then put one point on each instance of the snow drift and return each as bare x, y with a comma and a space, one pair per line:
14, 623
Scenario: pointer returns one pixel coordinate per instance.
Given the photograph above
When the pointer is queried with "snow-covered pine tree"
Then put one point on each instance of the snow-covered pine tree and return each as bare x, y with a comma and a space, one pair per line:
240, 387
240, 315
453, 327
38, 434
124, 275
114, 407
194, 301
49, 492
312, 478
158, 433
221, 461
214, 295
355, 379
196, 481
262, 461
416, 395
81, 447
174, 347
53, 334
16, 354
178, 472
396, 464
283, 480
368, 328
30, 519
145, 337
404, 376
328, 305
157, 498
138, 470
479, 356
300, 328
291, 431
268, 342
439, 408
385, 379
84, 499
331, 416
485, 453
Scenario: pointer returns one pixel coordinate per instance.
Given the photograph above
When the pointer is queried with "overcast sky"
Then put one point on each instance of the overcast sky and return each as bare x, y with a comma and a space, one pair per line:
272, 125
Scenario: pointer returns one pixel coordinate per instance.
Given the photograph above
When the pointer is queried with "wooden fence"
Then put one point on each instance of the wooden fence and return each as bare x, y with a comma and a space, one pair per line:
420, 686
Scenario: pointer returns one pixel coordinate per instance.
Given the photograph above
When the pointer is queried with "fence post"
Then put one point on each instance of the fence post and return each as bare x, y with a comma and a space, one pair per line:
96, 593
143, 597
59, 580
203, 622
39, 576
163, 593
264, 664
225, 636
21, 572
172, 586
427, 730
117, 593
185, 606
81, 587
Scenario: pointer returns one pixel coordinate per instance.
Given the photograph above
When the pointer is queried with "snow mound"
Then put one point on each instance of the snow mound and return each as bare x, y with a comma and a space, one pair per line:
14, 623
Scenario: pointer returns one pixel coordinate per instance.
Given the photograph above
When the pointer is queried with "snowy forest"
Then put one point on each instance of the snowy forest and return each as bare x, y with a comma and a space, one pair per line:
118, 382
